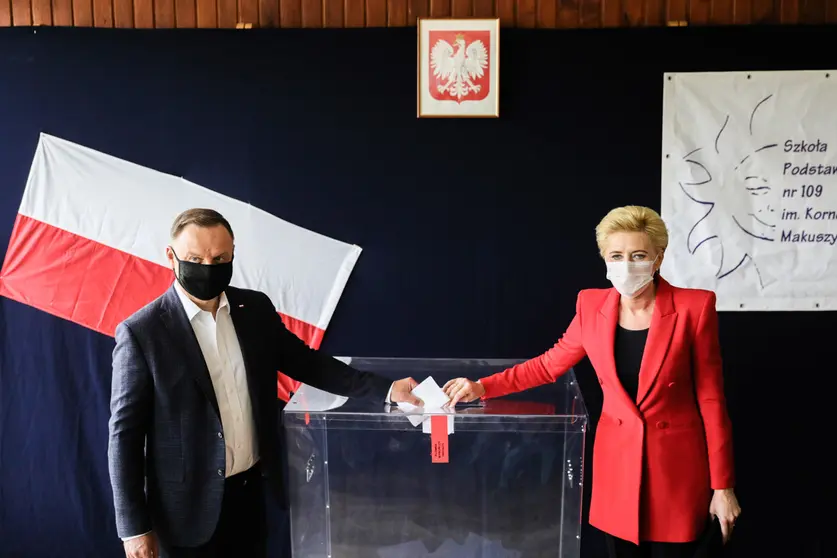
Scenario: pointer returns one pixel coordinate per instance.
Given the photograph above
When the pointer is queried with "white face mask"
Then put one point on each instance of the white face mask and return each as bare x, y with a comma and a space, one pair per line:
630, 278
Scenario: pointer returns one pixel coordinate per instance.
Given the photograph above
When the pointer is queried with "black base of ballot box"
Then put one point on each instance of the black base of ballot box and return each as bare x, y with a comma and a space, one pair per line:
494, 479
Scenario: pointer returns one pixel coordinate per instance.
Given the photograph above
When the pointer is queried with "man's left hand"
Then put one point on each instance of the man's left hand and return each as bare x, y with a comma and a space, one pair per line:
402, 392
725, 507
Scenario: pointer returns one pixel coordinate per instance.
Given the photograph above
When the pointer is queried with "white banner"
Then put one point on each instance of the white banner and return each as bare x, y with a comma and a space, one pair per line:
749, 187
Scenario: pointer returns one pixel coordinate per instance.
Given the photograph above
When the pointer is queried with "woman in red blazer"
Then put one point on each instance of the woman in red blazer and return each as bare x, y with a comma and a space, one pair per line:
662, 458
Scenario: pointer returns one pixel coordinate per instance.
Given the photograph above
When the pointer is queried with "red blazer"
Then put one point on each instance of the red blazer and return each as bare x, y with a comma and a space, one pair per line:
656, 460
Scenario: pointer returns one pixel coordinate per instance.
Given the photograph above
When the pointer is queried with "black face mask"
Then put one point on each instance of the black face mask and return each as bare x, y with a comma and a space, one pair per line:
204, 282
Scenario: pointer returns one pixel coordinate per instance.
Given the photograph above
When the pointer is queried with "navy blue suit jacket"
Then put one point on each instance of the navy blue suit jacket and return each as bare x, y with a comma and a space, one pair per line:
166, 450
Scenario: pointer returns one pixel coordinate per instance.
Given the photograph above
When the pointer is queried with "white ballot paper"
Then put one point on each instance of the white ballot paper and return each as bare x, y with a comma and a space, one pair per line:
431, 394
434, 400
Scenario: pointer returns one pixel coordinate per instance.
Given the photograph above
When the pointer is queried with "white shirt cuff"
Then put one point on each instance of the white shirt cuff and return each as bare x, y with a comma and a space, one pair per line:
135, 536
389, 394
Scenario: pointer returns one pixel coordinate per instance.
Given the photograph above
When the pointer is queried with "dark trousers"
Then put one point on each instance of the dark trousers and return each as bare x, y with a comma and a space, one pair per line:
619, 548
242, 527
708, 545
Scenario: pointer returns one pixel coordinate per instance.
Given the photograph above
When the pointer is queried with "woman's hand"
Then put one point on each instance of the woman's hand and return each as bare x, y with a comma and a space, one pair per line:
725, 507
463, 389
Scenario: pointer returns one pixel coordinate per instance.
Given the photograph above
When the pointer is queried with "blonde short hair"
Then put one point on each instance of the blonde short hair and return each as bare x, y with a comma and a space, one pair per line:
633, 218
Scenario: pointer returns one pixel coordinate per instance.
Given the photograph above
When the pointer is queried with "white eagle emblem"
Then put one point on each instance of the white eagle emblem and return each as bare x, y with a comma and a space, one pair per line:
457, 66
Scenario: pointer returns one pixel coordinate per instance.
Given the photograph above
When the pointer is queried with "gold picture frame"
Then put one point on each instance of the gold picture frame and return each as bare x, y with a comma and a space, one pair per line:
458, 73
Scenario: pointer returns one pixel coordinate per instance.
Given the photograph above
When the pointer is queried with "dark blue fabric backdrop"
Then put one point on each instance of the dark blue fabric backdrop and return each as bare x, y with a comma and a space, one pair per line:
476, 234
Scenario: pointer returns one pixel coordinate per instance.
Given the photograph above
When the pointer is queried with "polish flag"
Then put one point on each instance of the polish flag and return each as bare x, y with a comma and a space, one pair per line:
88, 245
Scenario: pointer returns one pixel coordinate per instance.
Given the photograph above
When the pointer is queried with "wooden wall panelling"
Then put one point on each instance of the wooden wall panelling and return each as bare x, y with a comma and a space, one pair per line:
123, 13
333, 15
248, 12
699, 11
228, 14
720, 12
103, 13
569, 14
762, 11
633, 14
542, 14
21, 13
397, 13
268, 13
376, 13
812, 11
41, 12
678, 10
354, 12
206, 14
484, 8
546, 14
504, 9
143, 14
312, 12
290, 13
440, 8
417, 9
789, 10
591, 13
741, 10
525, 14
653, 13
460, 8
185, 13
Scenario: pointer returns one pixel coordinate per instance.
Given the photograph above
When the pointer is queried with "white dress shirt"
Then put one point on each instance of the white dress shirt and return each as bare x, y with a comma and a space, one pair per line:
222, 353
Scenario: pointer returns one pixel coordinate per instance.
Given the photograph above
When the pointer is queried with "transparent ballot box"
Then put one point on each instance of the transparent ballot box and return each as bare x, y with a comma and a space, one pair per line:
493, 479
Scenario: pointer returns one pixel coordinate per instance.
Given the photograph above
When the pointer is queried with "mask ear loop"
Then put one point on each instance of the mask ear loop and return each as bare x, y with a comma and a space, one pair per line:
657, 271
176, 269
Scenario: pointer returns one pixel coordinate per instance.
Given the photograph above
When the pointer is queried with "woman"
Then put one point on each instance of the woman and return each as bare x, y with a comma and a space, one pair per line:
662, 459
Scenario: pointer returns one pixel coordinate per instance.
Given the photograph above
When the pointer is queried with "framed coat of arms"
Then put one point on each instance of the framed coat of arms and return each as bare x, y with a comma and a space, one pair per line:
458, 68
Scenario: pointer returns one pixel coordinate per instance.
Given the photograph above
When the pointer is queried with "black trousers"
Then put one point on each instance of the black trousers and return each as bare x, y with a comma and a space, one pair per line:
619, 548
710, 544
242, 527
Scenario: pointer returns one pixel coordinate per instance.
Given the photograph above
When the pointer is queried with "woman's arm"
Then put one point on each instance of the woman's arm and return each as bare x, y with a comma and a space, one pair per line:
709, 388
543, 369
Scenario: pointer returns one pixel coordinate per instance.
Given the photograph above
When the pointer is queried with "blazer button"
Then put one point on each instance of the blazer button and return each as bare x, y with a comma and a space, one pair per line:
671, 384
618, 422
220, 472
662, 425
220, 435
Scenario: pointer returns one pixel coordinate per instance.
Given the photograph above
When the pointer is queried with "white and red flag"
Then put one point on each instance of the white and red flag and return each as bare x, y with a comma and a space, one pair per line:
88, 245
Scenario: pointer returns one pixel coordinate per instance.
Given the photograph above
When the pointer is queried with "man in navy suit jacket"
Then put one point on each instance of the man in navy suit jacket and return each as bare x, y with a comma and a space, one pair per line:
193, 427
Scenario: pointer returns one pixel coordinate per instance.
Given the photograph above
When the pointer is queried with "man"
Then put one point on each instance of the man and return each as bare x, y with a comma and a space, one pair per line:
193, 427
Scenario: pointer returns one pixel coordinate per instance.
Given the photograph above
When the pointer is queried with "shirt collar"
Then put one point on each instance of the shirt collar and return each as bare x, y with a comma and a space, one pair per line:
193, 309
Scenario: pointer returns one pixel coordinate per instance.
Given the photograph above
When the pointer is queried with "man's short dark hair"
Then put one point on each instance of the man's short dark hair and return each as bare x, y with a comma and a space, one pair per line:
204, 218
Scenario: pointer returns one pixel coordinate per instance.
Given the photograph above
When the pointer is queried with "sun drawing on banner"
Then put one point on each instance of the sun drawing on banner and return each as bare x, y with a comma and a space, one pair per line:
459, 65
727, 179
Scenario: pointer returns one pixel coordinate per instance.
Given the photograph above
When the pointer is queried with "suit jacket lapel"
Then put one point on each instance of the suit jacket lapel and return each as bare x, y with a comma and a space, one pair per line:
606, 322
240, 315
663, 321
178, 326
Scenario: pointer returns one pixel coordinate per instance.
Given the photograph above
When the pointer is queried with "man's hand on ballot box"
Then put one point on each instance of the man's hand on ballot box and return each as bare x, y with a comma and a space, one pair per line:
402, 392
